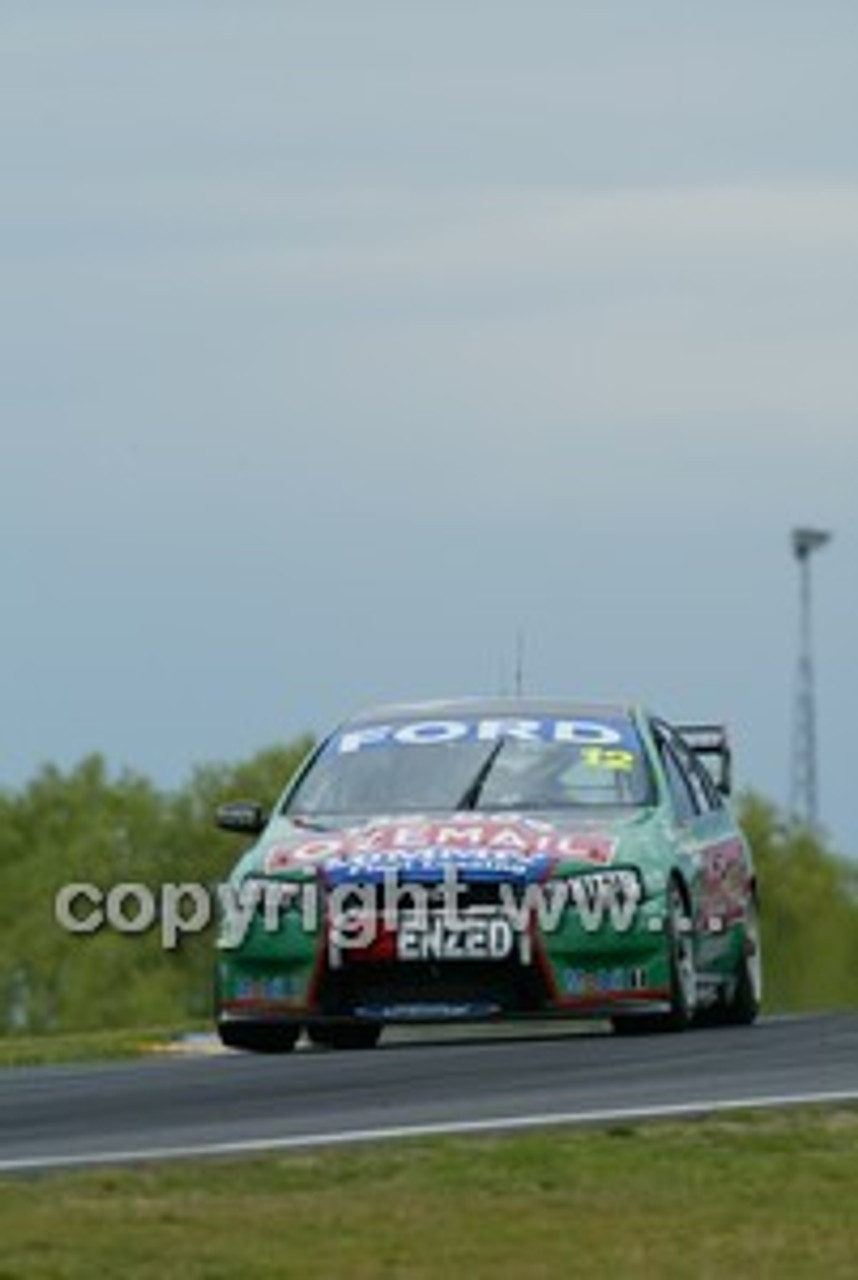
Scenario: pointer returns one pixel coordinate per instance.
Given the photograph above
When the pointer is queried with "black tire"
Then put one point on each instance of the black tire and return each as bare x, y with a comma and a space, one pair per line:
683, 975
742, 1004
345, 1035
259, 1037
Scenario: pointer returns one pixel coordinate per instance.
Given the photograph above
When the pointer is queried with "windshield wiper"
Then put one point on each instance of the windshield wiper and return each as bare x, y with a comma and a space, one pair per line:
475, 786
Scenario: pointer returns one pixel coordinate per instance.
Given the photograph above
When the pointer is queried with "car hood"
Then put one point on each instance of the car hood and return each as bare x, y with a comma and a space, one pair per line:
476, 845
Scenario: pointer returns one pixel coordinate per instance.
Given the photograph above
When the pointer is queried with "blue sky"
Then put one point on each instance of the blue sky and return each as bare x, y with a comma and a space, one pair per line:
341, 343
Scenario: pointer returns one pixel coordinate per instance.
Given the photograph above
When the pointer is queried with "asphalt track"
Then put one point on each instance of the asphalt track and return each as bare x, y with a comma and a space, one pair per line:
66, 1117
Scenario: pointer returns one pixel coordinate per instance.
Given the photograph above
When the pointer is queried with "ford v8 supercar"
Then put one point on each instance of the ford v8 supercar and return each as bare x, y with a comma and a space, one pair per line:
488, 859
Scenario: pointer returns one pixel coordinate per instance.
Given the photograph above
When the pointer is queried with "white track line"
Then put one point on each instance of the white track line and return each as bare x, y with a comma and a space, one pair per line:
509, 1124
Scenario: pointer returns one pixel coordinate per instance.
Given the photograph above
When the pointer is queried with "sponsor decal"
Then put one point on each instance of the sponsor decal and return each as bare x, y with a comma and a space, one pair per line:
574, 732
279, 987
509, 845
724, 885
596, 982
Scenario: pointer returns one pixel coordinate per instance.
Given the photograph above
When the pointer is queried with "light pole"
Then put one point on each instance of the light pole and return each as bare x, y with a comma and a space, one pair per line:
804, 790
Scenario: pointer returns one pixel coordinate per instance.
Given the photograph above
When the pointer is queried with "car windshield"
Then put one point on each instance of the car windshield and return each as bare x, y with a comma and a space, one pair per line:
487, 764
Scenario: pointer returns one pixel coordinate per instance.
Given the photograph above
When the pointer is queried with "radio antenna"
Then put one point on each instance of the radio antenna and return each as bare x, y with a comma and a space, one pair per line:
519, 663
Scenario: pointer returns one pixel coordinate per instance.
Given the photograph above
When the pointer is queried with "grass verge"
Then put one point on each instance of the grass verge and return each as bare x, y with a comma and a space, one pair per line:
763, 1194
88, 1046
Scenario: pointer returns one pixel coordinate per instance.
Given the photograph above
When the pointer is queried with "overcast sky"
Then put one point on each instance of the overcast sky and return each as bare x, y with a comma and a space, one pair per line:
340, 343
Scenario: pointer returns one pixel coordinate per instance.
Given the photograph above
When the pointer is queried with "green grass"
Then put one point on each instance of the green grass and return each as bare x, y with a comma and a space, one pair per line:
768, 1195
85, 1046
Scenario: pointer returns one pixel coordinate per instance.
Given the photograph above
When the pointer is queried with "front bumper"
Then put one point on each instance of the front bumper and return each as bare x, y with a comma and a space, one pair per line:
568, 970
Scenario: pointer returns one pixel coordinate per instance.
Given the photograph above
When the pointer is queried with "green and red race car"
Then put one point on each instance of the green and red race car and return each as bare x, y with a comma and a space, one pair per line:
482, 859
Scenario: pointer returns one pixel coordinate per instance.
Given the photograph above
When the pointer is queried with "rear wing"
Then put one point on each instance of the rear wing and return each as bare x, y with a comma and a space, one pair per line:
710, 743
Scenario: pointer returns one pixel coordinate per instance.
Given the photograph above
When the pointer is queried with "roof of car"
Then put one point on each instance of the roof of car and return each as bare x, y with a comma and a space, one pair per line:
511, 705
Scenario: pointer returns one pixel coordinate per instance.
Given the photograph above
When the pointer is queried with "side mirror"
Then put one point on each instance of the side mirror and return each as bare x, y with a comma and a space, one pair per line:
246, 817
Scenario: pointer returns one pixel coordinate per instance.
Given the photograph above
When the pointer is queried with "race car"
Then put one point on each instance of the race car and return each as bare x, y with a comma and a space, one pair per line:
486, 859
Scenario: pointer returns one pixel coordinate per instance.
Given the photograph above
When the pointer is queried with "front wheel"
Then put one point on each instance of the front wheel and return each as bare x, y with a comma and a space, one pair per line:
259, 1037
345, 1035
683, 974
